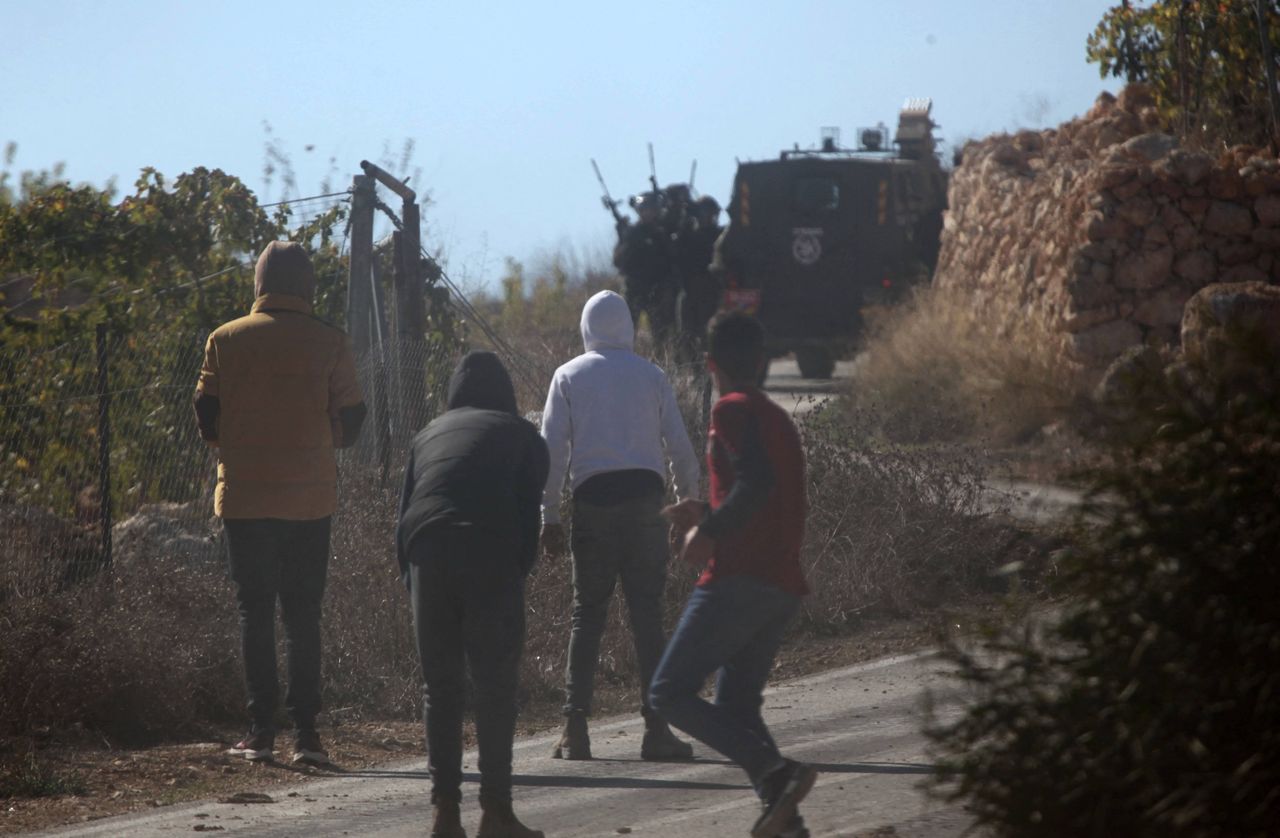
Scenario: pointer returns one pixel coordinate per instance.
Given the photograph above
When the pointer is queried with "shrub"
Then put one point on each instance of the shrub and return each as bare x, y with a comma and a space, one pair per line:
893, 528
937, 369
147, 655
1152, 706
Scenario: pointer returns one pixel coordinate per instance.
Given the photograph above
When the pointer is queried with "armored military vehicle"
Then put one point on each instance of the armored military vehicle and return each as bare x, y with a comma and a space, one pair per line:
818, 236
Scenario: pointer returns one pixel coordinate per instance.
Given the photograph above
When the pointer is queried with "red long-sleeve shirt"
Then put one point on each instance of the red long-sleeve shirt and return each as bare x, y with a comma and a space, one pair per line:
757, 492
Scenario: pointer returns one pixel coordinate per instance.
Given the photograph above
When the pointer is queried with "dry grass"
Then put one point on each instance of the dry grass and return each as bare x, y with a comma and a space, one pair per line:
151, 653
939, 369
895, 530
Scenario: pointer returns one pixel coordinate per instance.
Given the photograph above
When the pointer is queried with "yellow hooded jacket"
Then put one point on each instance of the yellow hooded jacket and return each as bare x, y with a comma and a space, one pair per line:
276, 395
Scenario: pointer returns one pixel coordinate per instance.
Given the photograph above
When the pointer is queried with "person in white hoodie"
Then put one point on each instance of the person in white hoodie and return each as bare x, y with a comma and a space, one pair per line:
611, 424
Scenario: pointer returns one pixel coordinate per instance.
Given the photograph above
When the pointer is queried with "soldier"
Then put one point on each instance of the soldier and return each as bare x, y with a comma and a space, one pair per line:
643, 256
700, 290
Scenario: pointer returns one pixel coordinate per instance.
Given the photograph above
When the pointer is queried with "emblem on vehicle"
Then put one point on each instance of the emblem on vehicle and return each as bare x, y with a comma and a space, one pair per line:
806, 244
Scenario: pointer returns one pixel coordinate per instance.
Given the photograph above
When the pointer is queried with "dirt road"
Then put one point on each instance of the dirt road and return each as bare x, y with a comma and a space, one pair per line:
799, 395
859, 725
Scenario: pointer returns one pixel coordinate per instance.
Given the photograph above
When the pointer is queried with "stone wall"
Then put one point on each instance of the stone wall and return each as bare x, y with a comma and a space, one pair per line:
1102, 229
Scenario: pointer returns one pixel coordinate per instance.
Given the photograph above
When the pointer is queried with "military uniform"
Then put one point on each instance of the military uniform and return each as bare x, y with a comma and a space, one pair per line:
643, 256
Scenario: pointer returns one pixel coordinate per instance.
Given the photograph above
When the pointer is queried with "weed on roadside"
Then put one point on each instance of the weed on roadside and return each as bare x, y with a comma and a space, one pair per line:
27, 777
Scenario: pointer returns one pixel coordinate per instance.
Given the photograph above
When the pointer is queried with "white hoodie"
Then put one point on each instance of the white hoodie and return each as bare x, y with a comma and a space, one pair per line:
609, 410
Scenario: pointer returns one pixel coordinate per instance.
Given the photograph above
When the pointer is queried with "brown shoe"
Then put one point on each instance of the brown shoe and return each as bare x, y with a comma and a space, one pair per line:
448, 820
661, 745
574, 742
498, 821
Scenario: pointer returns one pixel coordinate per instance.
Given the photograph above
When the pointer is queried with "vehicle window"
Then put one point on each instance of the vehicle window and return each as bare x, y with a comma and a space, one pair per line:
816, 194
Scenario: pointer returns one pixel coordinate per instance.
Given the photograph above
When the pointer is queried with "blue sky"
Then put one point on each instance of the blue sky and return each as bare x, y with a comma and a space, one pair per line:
506, 103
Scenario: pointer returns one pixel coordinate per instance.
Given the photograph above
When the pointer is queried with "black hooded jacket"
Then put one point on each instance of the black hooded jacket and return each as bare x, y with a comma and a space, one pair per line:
478, 464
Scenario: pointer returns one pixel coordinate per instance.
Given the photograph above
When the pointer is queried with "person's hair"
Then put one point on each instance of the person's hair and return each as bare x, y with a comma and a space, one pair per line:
735, 341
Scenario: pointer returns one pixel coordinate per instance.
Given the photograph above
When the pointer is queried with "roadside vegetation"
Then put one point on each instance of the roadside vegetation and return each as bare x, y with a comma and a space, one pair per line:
938, 369
1148, 706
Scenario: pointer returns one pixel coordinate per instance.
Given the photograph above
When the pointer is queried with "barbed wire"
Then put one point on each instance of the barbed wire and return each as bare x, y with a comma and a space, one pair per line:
93, 396
292, 201
525, 365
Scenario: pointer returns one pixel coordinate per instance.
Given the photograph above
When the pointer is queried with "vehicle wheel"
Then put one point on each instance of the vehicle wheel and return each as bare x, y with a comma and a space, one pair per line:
815, 362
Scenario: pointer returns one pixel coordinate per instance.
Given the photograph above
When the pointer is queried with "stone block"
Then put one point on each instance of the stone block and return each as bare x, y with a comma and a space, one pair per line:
1267, 238
1222, 317
1236, 252
1099, 227
1189, 167
1099, 251
1267, 208
1184, 237
1162, 308
1128, 189
1226, 185
1197, 267
1227, 218
1138, 211
1149, 147
1144, 269
1092, 290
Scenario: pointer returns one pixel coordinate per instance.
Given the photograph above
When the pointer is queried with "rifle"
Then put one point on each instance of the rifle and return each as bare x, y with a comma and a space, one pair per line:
653, 174
607, 199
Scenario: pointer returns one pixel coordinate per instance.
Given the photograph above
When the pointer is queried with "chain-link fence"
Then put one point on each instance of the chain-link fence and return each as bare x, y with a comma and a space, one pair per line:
112, 579
100, 456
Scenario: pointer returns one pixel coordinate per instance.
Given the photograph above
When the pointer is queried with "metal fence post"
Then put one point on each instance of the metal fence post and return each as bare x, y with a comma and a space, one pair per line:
359, 297
104, 444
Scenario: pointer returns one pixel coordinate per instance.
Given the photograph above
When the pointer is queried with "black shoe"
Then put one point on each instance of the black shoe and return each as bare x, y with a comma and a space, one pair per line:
307, 749
781, 792
256, 746
795, 828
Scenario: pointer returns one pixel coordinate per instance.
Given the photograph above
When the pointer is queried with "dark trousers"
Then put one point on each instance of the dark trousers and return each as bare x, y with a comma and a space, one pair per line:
732, 627
628, 542
270, 560
467, 591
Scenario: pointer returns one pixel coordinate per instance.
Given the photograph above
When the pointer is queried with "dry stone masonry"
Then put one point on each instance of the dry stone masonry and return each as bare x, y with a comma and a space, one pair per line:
1102, 229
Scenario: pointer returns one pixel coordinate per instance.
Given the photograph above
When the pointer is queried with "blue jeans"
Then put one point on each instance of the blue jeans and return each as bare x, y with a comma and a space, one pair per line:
732, 627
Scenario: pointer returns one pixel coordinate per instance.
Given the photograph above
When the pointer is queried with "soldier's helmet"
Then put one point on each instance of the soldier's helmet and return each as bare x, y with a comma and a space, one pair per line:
647, 205
707, 209
677, 194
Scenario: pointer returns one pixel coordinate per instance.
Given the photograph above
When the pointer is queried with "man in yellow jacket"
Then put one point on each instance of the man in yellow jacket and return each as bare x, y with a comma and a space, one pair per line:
277, 394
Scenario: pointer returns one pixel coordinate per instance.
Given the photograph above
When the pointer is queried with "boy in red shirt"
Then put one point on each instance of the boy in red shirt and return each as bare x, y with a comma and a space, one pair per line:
747, 540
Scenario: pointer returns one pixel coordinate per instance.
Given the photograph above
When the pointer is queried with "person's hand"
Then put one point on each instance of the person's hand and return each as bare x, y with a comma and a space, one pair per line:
552, 541
697, 548
684, 515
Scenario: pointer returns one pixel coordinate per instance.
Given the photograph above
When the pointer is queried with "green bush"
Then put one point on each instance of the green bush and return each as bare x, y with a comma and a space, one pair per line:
1151, 705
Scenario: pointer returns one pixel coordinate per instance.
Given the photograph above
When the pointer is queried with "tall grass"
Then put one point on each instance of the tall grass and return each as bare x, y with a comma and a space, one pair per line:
940, 368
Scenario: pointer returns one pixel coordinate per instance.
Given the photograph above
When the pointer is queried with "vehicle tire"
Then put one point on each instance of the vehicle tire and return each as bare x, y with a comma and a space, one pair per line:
815, 362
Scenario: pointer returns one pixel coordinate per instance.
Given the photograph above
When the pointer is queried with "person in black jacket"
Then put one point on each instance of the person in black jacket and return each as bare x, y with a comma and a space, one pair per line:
467, 538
